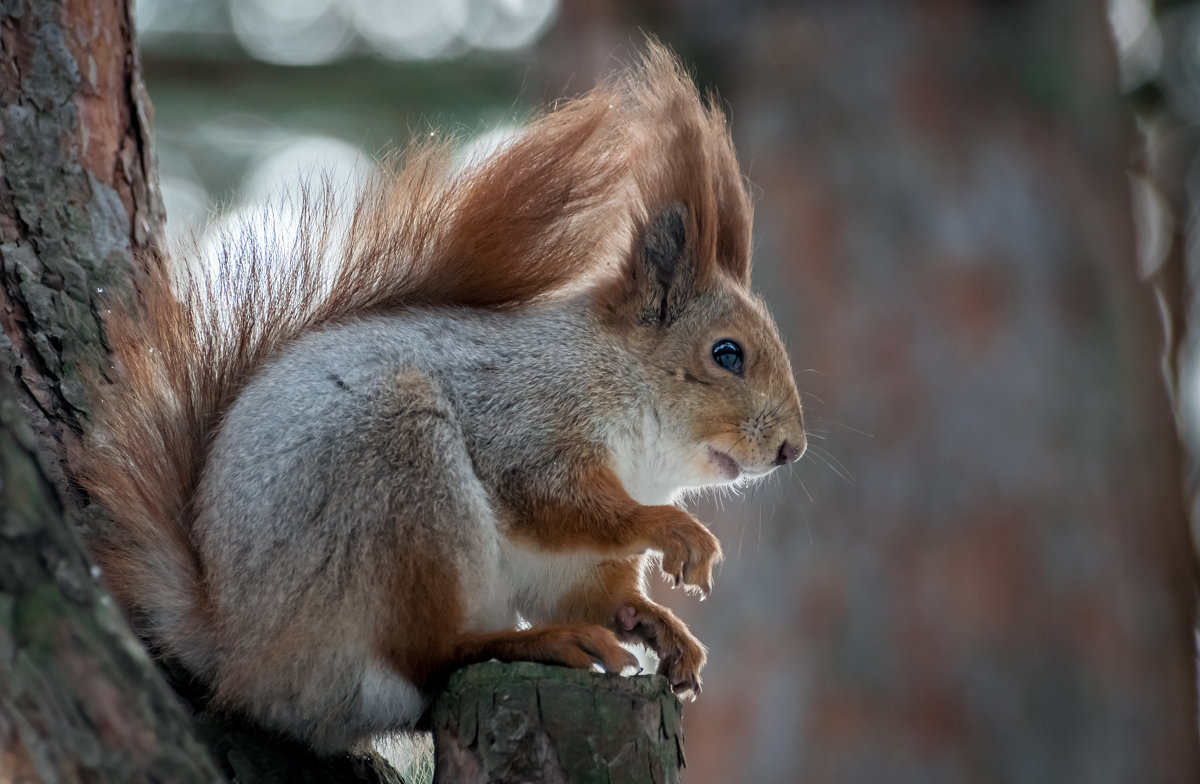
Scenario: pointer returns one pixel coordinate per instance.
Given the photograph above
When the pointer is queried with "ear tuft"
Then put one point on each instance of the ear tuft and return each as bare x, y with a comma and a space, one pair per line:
664, 243
666, 278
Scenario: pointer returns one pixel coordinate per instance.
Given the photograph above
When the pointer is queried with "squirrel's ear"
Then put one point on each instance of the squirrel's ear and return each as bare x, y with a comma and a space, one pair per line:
663, 274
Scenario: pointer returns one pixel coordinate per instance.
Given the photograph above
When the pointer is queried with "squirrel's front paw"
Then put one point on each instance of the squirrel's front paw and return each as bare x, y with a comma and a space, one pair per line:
680, 655
689, 553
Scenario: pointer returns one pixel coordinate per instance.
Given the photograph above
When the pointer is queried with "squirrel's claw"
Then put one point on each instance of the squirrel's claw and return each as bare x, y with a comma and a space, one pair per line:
689, 687
702, 589
685, 683
689, 553
681, 656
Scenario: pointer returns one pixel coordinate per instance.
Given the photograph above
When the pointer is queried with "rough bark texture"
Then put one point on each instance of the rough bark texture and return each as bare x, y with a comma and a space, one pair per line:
79, 700
528, 722
78, 194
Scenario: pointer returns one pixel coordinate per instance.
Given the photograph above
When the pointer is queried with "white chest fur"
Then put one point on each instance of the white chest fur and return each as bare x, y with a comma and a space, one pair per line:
650, 462
536, 580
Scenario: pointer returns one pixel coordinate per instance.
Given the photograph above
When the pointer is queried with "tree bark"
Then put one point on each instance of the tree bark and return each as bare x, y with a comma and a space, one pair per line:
78, 197
79, 699
529, 722
1165, 181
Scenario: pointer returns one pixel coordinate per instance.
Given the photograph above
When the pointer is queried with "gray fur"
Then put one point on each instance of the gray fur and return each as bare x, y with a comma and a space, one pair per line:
364, 438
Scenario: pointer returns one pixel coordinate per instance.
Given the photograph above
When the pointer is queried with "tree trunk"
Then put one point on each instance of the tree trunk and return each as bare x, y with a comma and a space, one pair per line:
79, 700
78, 198
529, 722
1165, 183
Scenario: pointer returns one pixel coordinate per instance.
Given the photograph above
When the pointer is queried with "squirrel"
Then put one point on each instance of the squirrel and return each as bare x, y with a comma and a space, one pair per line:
449, 427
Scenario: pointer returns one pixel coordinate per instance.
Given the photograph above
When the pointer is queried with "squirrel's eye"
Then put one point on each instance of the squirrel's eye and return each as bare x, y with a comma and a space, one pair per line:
728, 355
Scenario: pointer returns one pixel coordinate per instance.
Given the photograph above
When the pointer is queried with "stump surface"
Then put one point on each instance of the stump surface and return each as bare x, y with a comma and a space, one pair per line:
530, 722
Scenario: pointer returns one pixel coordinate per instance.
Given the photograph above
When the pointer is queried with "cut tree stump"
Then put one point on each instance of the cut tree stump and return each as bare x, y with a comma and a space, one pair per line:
533, 723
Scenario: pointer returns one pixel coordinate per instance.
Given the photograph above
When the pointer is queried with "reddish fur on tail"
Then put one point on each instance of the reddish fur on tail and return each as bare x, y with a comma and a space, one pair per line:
559, 203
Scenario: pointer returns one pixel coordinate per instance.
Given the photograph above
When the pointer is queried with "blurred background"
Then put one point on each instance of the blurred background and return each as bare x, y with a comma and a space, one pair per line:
981, 572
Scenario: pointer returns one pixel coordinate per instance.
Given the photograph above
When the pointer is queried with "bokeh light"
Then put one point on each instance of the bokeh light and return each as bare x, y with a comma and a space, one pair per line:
299, 32
404, 29
312, 32
1139, 43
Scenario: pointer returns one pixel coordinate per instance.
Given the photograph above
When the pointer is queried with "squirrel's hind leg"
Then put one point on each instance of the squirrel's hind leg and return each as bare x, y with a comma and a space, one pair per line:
346, 587
441, 559
452, 606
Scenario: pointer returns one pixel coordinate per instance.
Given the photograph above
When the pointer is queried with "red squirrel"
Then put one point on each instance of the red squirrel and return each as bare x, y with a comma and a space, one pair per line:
340, 466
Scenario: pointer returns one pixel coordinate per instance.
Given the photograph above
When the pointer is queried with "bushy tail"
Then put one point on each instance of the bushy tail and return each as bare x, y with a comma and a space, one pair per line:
557, 203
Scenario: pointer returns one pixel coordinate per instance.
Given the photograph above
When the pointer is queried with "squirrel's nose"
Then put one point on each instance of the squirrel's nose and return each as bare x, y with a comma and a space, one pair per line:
788, 452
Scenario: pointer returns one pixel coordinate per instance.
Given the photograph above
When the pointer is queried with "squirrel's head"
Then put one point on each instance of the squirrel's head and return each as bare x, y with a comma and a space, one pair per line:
712, 355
